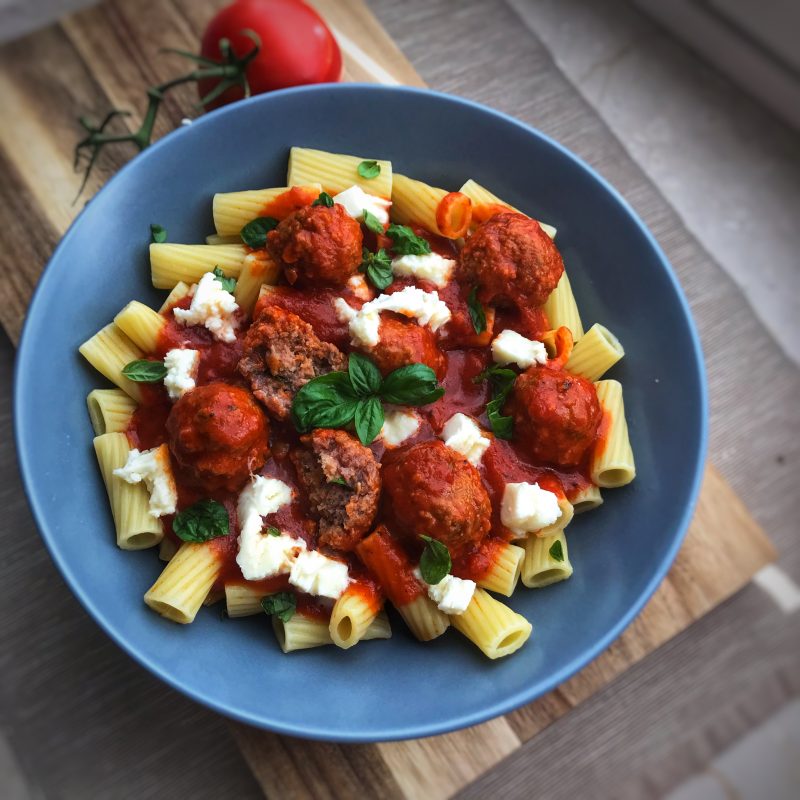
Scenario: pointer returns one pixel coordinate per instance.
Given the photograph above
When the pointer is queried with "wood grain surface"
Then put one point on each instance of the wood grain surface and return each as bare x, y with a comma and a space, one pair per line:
103, 57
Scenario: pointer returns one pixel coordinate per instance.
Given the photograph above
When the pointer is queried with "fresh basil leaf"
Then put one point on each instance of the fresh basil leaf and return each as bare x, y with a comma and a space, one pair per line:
254, 234
158, 234
369, 169
502, 426
324, 199
435, 562
378, 268
340, 480
365, 378
273, 531
476, 312
406, 243
497, 375
373, 223
368, 419
324, 402
556, 551
412, 385
281, 605
201, 522
144, 371
502, 381
228, 284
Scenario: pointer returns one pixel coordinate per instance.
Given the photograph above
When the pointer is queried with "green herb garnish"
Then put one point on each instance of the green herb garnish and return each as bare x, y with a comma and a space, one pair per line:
273, 531
476, 312
502, 380
158, 234
339, 480
281, 605
339, 398
324, 199
205, 520
435, 562
369, 169
228, 284
254, 234
372, 222
377, 267
406, 243
556, 551
144, 371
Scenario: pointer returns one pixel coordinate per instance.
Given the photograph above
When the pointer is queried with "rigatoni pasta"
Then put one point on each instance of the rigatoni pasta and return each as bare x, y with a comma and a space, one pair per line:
363, 389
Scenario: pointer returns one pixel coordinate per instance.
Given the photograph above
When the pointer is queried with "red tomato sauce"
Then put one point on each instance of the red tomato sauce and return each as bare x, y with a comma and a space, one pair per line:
381, 565
289, 201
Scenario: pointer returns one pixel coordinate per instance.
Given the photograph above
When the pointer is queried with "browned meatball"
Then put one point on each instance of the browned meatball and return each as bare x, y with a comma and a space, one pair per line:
430, 488
317, 246
218, 434
342, 481
556, 415
281, 354
403, 342
512, 261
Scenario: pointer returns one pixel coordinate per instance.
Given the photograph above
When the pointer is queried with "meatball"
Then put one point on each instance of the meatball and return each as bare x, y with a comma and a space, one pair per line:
317, 246
430, 488
556, 415
342, 482
403, 342
281, 354
218, 435
512, 261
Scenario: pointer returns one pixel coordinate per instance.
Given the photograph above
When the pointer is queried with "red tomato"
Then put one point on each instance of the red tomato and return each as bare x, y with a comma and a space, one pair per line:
296, 46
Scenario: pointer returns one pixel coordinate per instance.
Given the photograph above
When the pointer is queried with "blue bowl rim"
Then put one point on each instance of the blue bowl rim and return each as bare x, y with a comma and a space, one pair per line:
500, 707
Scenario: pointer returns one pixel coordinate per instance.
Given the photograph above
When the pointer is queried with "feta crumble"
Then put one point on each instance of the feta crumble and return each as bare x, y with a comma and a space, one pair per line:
430, 267
527, 508
212, 307
510, 347
356, 201
452, 595
319, 575
154, 469
398, 425
462, 434
181, 371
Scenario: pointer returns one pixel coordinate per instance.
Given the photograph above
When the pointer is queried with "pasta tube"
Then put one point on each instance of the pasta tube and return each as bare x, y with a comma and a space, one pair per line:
243, 599
492, 626
258, 269
233, 210
587, 499
352, 615
567, 513
172, 263
414, 202
108, 351
301, 632
110, 410
612, 462
503, 574
336, 172
179, 291
595, 353
184, 583
546, 561
562, 310
130, 503
141, 325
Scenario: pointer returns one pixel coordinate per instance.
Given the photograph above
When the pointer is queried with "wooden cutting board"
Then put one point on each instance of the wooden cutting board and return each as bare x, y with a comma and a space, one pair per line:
103, 58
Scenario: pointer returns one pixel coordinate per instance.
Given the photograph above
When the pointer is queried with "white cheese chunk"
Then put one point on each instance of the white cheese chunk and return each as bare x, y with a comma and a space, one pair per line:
211, 306
181, 371
356, 201
154, 469
452, 595
319, 575
527, 508
511, 347
429, 267
398, 425
358, 285
462, 434
262, 555
411, 301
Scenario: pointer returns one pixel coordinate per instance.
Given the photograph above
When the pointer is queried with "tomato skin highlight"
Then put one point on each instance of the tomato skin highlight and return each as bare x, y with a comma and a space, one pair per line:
297, 47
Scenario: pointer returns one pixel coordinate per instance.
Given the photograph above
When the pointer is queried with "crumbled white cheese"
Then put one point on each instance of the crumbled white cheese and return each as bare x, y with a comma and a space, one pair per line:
358, 285
411, 301
511, 347
211, 306
181, 371
263, 555
154, 468
356, 201
319, 575
398, 425
527, 508
429, 267
452, 595
462, 434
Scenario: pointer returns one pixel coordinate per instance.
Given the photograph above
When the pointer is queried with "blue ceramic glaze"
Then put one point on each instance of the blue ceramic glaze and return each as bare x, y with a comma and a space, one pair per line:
378, 690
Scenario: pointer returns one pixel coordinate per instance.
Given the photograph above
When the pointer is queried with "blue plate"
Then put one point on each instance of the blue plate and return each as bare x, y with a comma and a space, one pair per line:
378, 690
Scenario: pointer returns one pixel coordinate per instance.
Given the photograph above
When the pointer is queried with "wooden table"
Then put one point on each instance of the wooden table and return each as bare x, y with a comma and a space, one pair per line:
103, 58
